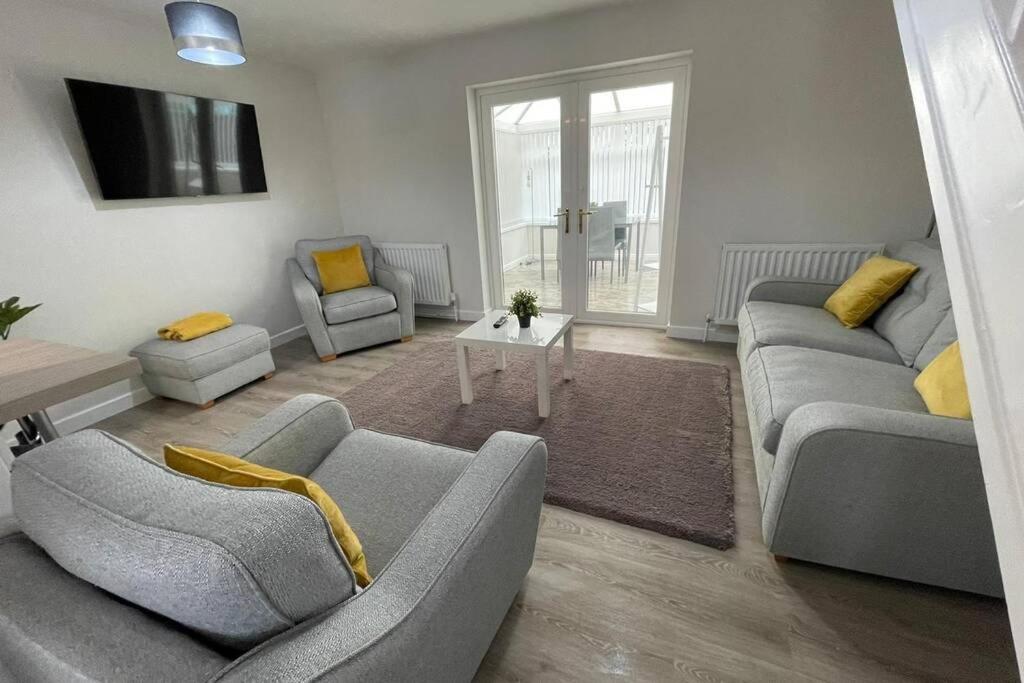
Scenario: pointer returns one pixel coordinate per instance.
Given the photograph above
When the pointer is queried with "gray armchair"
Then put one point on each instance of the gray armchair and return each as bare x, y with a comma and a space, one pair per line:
356, 318
449, 536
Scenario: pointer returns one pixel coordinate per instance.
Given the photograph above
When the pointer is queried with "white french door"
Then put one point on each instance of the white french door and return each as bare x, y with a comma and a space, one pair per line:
580, 179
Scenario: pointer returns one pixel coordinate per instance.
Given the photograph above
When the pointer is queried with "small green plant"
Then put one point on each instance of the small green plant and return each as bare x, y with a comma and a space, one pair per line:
524, 304
10, 313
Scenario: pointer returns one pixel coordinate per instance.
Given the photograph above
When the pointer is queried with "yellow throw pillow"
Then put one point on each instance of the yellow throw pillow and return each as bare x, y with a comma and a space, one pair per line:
227, 469
943, 386
342, 269
868, 288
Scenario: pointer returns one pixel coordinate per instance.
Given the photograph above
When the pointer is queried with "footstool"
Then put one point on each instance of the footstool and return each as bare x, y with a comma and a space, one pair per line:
200, 370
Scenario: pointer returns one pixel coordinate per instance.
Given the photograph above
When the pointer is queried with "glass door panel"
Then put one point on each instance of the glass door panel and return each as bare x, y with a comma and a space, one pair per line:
628, 138
527, 166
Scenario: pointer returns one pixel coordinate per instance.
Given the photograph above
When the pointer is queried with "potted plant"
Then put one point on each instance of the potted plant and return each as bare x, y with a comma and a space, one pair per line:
10, 313
524, 306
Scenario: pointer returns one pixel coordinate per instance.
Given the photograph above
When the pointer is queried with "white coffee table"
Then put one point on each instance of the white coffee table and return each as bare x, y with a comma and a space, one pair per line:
537, 339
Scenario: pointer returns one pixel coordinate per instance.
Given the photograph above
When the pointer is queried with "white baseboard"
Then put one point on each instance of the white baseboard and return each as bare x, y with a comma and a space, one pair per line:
287, 335
97, 412
715, 334
447, 313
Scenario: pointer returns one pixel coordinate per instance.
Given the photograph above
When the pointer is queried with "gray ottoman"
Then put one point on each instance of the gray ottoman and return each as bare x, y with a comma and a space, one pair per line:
202, 369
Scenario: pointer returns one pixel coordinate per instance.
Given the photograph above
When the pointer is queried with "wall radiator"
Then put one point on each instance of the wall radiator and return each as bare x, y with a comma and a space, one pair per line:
428, 263
741, 263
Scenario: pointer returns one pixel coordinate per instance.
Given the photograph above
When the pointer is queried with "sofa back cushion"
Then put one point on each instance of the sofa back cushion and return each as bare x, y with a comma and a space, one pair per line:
909, 318
940, 339
235, 565
304, 255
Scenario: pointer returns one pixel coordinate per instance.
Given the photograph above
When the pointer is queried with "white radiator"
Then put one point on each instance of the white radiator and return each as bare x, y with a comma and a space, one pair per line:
428, 264
741, 263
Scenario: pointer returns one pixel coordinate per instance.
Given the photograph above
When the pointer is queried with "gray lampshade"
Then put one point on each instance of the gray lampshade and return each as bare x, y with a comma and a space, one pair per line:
205, 33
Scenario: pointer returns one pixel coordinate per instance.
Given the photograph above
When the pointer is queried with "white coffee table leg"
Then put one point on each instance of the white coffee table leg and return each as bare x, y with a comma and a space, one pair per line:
568, 355
543, 385
499, 359
465, 382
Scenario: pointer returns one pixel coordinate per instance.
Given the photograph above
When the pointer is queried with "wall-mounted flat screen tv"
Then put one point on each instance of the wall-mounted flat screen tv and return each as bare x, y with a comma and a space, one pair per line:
146, 143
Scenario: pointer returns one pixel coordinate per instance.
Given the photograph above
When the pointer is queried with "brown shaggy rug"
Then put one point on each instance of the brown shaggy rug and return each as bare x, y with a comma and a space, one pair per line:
644, 441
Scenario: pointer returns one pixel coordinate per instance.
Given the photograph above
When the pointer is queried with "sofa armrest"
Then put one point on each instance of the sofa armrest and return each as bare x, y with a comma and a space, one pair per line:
883, 491
431, 614
310, 309
790, 290
400, 283
296, 436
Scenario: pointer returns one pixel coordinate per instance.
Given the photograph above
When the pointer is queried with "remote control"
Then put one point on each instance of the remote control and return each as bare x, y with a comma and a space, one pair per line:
500, 321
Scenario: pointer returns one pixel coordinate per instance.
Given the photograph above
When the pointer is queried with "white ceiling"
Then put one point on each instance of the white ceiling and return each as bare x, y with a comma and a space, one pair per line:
301, 31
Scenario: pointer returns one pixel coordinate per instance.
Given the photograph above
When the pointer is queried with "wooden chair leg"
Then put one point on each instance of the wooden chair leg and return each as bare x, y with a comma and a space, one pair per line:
407, 339
328, 359
268, 375
206, 406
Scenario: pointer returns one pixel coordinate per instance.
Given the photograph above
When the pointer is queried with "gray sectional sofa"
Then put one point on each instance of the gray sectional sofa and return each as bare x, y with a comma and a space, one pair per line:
217, 583
852, 469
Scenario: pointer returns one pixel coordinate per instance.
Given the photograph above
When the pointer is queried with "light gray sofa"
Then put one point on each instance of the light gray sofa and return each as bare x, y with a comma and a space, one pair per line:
852, 469
356, 318
255, 573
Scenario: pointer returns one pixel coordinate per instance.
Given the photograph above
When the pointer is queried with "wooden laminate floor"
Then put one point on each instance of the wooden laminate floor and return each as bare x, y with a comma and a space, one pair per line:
606, 601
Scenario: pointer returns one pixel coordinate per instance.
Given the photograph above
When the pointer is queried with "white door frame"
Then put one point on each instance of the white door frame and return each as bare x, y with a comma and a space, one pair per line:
492, 223
484, 186
677, 71
967, 78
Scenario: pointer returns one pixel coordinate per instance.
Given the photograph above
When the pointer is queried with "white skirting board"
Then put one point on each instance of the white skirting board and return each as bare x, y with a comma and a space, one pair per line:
447, 313
717, 333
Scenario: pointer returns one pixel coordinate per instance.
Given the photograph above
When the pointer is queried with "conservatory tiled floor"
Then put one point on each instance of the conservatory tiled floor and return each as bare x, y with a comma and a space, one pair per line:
606, 293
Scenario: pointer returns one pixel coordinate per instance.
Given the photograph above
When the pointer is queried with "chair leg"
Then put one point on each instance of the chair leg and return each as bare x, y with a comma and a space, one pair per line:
206, 406
407, 339
268, 375
328, 359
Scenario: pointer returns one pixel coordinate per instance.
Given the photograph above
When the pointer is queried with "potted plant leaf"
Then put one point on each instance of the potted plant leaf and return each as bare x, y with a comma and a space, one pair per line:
10, 313
524, 306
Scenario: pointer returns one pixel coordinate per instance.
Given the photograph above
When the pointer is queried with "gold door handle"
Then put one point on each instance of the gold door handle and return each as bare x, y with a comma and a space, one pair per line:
582, 214
564, 212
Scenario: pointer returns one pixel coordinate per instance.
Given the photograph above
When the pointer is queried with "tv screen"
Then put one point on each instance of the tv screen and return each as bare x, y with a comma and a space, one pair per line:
145, 143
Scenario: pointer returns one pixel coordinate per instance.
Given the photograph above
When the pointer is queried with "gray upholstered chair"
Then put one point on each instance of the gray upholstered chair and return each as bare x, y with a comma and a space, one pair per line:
118, 568
356, 318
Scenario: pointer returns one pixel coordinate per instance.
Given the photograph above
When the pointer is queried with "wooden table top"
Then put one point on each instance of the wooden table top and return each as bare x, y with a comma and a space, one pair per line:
35, 375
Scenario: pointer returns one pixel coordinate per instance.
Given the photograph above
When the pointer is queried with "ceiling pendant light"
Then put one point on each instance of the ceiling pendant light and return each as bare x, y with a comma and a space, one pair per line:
205, 33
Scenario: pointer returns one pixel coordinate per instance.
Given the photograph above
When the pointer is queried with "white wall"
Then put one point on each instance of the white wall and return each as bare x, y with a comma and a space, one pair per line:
109, 273
800, 128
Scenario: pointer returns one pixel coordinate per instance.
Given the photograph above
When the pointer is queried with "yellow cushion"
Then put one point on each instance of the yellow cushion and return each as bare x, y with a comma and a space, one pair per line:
942, 385
227, 469
342, 269
868, 288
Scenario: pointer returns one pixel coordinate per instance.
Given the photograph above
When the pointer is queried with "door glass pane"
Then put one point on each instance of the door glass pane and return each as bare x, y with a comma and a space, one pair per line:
528, 175
629, 142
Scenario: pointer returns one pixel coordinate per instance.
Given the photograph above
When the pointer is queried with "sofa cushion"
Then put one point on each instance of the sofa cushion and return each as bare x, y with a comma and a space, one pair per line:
941, 338
198, 358
910, 317
341, 269
766, 323
780, 379
871, 285
56, 627
235, 565
304, 255
370, 471
356, 304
